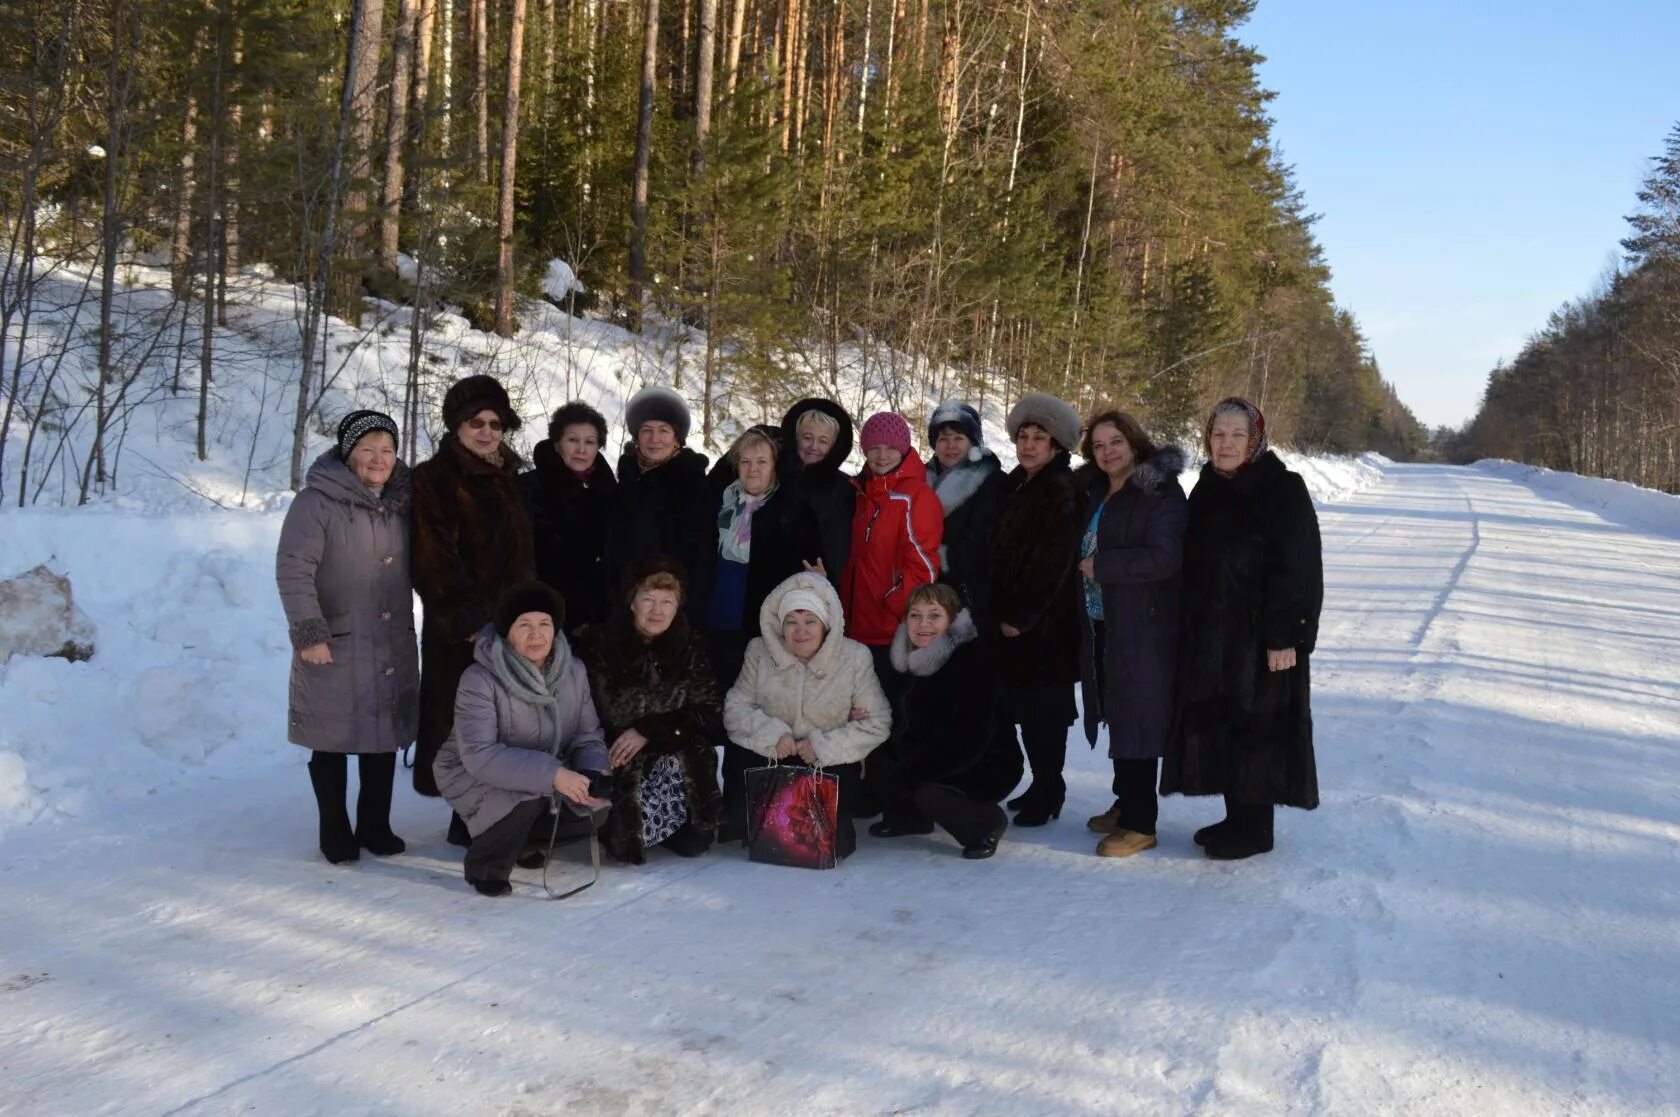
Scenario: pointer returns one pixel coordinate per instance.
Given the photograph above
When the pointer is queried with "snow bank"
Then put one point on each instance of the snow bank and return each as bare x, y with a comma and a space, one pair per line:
189, 681
1617, 501
1330, 478
560, 281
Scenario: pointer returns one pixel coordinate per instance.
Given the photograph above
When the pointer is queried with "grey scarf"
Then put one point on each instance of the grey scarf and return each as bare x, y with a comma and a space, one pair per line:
525, 682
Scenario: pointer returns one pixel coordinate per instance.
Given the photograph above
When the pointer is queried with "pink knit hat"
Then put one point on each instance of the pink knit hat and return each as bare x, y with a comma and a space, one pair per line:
885, 429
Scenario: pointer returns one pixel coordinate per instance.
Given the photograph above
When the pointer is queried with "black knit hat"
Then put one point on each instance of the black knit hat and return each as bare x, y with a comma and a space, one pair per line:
529, 597
358, 425
574, 414
657, 403
472, 394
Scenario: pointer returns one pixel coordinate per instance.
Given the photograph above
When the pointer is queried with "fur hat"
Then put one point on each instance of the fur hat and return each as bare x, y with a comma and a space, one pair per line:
884, 428
358, 425
574, 414
959, 415
529, 597
472, 394
1044, 410
659, 404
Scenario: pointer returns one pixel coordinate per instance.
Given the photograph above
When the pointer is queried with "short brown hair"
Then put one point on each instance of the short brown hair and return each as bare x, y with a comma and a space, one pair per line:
754, 436
1143, 447
658, 580
935, 593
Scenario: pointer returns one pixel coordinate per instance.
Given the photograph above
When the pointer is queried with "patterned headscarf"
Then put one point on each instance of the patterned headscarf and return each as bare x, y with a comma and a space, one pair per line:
1236, 405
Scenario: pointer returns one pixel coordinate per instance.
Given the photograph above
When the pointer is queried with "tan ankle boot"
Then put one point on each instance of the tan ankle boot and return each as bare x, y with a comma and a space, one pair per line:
1106, 822
1124, 843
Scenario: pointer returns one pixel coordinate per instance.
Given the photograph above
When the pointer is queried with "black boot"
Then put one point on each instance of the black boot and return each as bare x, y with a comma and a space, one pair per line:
373, 804
687, 841
1248, 832
328, 776
1208, 833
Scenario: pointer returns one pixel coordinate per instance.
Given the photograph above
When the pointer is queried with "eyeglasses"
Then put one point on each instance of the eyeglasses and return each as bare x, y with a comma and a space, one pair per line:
480, 424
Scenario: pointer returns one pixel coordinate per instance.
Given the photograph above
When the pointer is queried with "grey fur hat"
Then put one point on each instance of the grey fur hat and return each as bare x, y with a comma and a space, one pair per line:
1045, 410
659, 404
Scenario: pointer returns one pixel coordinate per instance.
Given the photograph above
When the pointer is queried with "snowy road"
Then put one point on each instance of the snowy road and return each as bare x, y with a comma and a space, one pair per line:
1483, 918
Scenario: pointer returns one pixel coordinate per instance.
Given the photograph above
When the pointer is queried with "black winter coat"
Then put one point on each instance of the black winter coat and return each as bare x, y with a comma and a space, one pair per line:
1035, 577
1128, 678
824, 487
1253, 581
471, 543
662, 688
665, 511
569, 523
970, 494
784, 538
950, 723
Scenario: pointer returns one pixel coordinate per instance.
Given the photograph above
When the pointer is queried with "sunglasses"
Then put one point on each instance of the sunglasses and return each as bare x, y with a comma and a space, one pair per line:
480, 424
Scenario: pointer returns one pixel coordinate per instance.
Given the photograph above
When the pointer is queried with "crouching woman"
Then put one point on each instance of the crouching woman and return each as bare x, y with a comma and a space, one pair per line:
525, 730
807, 695
653, 686
952, 758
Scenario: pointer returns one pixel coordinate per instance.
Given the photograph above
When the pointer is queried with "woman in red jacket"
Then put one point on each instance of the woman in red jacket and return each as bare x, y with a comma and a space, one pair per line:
897, 526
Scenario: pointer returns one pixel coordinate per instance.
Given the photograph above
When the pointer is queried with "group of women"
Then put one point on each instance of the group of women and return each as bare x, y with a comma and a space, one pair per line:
593, 637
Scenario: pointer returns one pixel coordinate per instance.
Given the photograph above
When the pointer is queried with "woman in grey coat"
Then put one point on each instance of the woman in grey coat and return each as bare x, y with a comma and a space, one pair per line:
342, 569
525, 732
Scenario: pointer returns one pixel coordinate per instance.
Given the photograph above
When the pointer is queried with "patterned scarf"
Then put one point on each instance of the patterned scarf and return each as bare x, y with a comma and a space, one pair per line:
735, 521
1256, 423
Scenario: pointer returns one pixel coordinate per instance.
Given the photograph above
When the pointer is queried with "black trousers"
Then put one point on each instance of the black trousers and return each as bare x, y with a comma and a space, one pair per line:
492, 853
1044, 714
1134, 791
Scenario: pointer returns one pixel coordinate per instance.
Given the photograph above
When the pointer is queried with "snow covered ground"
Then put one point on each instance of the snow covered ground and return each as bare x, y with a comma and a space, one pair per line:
1483, 918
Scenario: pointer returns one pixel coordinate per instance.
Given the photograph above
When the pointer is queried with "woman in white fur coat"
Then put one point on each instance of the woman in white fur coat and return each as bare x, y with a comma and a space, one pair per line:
807, 695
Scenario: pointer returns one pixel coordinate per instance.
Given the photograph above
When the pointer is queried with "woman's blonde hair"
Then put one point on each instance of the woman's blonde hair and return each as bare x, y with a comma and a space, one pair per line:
753, 436
658, 580
819, 419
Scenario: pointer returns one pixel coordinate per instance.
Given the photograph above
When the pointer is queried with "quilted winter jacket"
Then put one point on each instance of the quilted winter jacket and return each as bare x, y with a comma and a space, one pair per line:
777, 694
504, 750
342, 569
897, 527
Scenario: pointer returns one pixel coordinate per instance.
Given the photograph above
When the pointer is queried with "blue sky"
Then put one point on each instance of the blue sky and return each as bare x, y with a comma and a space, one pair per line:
1472, 163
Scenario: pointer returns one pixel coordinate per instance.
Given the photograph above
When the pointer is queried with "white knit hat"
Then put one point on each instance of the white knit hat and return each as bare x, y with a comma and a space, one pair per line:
808, 600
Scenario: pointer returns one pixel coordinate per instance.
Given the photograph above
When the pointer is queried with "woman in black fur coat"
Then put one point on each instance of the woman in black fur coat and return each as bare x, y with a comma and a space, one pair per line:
570, 496
664, 505
951, 757
658, 703
471, 543
1253, 588
1035, 595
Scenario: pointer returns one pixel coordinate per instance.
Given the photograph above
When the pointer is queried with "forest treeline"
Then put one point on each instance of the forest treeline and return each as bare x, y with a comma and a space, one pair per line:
1079, 196
1597, 390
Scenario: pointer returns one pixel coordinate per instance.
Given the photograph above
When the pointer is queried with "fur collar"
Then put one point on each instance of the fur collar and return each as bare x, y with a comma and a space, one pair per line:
957, 484
923, 662
1164, 465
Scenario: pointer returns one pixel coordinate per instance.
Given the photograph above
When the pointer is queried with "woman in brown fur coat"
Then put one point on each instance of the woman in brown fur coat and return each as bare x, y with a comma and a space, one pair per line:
472, 542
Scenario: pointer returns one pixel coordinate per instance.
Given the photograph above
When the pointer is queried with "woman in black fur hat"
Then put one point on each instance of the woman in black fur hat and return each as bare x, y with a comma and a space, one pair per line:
472, 542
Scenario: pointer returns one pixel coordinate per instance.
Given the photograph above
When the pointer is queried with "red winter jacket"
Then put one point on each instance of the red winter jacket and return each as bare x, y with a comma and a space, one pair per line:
897, 526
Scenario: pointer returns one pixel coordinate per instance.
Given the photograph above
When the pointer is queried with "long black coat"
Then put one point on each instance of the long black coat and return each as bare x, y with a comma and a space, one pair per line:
784, 538
662, 688
824, 487
569, 522
1035, 580
1253, 581
970, 493
1128, 679
471, 543
950, 723
666, 511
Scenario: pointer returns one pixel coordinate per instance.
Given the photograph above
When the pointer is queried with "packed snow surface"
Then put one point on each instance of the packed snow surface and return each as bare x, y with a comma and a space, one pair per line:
1481, 918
